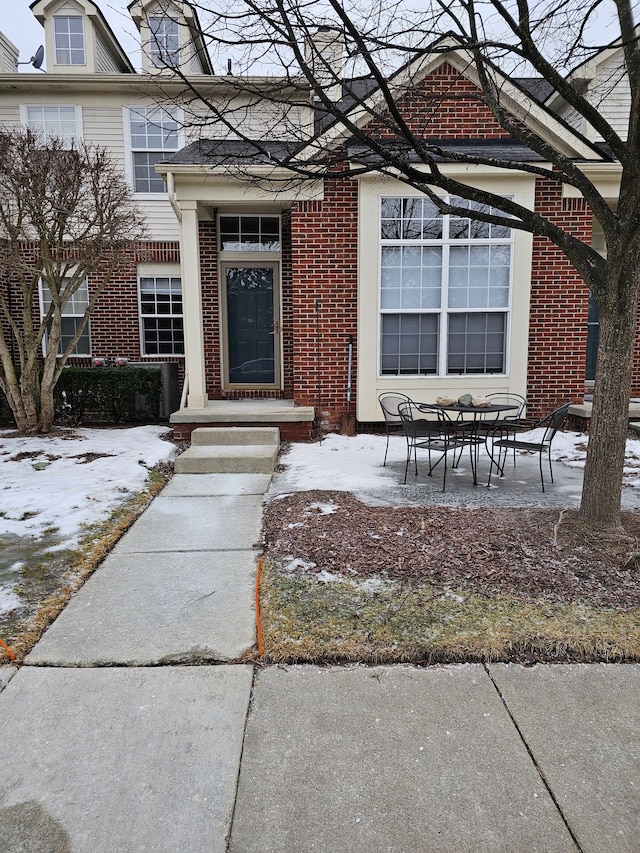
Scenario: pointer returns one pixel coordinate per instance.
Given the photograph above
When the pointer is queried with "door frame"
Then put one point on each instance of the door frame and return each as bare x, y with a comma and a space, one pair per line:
250, 262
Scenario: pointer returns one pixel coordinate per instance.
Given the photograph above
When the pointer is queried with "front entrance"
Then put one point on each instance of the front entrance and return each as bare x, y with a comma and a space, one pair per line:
252, 328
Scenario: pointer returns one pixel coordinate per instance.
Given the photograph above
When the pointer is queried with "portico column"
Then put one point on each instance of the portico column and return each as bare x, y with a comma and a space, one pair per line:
192, 305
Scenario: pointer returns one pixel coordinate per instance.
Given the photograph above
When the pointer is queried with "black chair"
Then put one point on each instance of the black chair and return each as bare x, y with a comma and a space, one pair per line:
430, 428
504, 437
389, 402
514, 418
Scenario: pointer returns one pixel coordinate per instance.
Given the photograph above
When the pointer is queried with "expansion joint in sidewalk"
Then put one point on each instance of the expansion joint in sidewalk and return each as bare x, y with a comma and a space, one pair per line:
539, 769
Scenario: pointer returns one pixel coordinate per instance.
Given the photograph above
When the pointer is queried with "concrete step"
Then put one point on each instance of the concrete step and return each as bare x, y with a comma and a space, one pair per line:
227, 459
211, 436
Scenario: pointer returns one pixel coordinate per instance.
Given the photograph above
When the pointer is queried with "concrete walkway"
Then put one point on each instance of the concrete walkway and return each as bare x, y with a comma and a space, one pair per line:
133, 728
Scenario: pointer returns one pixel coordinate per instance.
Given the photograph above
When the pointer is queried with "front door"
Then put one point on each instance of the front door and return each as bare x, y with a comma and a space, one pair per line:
252, 339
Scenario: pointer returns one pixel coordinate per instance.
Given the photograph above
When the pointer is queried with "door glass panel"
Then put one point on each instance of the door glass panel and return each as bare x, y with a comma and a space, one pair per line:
250, 295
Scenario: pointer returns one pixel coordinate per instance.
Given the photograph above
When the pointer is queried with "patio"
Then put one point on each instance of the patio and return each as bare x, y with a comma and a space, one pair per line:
355, 464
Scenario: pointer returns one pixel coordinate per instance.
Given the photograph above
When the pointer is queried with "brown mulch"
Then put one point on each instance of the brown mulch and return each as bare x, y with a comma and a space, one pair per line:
528, 553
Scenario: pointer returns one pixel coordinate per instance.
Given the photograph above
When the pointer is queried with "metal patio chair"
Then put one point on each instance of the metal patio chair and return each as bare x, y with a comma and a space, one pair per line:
389, 402
430, 428
504, 437
505, 420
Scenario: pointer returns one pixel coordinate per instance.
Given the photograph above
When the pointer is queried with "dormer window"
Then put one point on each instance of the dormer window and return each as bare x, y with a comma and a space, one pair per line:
164, 42
68, 33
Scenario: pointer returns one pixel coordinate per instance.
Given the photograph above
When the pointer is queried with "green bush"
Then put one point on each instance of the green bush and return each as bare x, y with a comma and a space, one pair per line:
111, 394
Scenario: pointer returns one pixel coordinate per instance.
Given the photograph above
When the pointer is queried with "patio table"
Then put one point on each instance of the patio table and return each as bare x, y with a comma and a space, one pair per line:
479, 414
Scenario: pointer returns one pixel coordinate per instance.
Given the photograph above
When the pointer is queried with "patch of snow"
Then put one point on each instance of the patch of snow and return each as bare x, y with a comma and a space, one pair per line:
328, 577
74, 489
8, 600
295, 564
325, 508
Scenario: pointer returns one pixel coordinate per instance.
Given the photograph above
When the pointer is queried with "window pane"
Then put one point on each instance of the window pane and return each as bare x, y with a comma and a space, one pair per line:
409, 344
164, 42
250, 233
476, 343
161, 309
68, 34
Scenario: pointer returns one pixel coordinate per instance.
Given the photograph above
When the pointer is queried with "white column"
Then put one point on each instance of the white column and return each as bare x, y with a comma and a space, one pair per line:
192, 305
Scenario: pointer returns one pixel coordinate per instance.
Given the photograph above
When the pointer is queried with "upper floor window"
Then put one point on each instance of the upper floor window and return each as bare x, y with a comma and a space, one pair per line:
53, 121
164, 42
444, 289
250, 233
154, 133
68, 34
72, 315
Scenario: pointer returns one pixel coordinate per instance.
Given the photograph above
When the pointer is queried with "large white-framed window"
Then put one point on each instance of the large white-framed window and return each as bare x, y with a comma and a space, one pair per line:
161, 317
153, 133
62, 121
68, 37
164, 42
72, 314
445, 290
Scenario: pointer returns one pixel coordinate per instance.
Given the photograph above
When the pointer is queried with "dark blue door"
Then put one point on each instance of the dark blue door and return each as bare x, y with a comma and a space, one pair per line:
250, 292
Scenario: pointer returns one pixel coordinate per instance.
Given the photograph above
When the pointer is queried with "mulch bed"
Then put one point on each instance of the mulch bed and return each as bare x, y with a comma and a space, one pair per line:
527, 553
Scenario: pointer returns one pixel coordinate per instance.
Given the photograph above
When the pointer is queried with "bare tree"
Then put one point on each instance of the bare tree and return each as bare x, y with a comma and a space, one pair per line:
359, 105
66, 213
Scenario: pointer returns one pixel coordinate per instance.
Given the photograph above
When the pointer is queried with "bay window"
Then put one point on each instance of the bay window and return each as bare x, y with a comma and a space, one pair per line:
445, 284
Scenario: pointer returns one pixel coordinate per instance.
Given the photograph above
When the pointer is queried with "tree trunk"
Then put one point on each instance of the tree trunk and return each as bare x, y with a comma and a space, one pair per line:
602, 486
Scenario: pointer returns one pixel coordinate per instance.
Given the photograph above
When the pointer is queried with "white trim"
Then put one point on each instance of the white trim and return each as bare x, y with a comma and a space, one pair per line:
426, 388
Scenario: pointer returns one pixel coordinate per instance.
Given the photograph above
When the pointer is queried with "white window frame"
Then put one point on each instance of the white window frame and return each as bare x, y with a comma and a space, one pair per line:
49, 126
68, 48
68, 312
445, 243
171, 272
133, 147
160, 54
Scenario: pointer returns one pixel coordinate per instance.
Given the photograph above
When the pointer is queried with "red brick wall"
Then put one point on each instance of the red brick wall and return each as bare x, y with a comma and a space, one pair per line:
444, 105
324, 269
559, 308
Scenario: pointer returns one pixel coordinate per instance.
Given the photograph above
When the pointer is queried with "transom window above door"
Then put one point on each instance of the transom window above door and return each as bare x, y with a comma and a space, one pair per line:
247, 233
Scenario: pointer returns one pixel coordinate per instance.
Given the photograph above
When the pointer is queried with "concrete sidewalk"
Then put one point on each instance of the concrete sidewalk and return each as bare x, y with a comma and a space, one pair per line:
132, 726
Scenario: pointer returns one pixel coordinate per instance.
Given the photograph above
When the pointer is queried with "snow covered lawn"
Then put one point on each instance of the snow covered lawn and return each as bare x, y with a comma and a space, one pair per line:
52, 487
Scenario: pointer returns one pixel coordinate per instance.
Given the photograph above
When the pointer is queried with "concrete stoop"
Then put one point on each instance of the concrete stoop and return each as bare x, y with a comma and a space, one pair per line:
230, 450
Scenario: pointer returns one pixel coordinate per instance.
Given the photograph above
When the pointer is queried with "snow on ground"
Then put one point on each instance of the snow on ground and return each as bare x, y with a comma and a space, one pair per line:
55, 482
343, 463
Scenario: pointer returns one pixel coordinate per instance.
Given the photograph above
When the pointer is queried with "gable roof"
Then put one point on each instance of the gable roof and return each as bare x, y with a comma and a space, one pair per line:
515, 98
42, 8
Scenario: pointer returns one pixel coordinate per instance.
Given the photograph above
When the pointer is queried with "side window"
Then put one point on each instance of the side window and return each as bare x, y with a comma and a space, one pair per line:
154, 134
68, 35
71, 316
161, 315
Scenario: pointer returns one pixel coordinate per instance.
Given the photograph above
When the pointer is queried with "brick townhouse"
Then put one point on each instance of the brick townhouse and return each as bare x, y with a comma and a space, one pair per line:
255, 288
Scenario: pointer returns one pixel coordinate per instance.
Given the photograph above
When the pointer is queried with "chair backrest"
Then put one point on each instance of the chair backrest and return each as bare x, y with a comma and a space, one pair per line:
553, 422
389, 403
420, 419
510, 399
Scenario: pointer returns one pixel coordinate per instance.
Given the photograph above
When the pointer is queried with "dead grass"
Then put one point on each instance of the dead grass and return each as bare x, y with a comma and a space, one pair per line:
343, 581
96, 544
